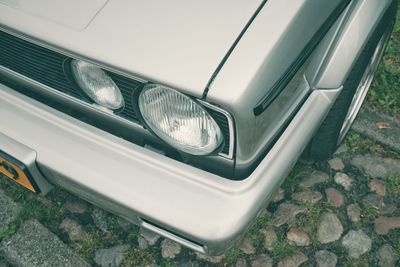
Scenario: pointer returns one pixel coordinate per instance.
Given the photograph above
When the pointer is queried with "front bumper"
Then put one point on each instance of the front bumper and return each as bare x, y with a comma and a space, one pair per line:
195, 208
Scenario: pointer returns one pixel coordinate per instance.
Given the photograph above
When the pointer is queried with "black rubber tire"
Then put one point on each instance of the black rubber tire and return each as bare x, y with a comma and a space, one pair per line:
325, 141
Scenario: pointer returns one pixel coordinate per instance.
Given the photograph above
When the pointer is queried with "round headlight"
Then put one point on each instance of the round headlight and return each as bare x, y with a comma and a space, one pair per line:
97, 85
179, 120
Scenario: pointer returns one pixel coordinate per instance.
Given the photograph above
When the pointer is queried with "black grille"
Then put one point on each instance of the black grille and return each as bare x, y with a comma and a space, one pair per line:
47, 67
35, 62
127, 87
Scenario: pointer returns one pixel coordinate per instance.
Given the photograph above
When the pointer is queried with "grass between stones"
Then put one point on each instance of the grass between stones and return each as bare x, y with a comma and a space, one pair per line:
31, 207
282, 249
7, 232
397, 248
254, 233
308, 221
292, 181
393, 185
359, 144
138, 256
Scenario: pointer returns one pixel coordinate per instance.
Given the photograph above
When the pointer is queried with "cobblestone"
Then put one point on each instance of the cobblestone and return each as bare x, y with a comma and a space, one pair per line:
294, 260
330, 229
357, 243
325, 258
334, 197
314, 178
308, 197
384, 224
34, 245
111, 257
8, 211
366, 125
287, 212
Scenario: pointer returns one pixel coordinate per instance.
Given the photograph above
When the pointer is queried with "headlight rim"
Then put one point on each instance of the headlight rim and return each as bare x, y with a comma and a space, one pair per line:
135, 101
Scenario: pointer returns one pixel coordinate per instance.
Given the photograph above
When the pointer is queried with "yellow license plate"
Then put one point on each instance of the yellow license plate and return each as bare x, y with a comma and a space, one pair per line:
16, 171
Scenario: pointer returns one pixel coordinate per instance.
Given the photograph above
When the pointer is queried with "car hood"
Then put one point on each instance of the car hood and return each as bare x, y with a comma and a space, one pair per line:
178, 43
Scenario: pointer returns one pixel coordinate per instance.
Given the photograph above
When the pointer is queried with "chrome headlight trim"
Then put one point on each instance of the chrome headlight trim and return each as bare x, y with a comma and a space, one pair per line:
179, 120
232, 137
97, 85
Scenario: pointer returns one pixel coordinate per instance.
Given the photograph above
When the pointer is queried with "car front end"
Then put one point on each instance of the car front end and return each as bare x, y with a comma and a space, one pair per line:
180, 122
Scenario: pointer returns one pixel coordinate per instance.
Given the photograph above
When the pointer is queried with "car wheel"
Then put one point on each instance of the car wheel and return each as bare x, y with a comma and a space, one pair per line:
344, 111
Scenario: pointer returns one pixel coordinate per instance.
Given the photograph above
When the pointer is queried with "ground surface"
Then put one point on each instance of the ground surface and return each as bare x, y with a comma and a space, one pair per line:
343, 212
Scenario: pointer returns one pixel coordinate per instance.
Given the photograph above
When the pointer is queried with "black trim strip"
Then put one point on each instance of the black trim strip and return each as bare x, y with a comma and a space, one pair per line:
284, 80
231, 50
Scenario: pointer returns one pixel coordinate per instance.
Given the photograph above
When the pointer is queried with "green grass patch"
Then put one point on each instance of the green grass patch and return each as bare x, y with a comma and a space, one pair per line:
359, 144
112, 222
88, 245
7, 232
233, 255
282, 249
50, 216
137, 256
33, 207
393, 185
362, 262
294, 178
254, 233
308, 221
94, 240
397, 249
385, 94
168, 263
368, 215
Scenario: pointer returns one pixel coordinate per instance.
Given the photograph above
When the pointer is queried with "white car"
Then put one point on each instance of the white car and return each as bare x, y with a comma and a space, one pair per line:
183, 117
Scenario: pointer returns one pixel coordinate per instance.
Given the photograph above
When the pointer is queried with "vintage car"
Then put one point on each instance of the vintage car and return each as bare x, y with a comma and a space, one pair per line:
183, 117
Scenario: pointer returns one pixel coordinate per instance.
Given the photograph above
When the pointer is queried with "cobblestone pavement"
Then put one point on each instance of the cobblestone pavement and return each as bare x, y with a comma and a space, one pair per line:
342, 212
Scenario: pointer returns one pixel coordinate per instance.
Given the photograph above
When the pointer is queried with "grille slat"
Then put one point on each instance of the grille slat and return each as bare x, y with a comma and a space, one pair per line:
10, 39
19, 54
34, 51
32, 70
47, 67
28, 55
16, 56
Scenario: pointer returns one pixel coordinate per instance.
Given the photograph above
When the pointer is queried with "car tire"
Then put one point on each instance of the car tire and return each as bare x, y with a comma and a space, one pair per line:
341, 116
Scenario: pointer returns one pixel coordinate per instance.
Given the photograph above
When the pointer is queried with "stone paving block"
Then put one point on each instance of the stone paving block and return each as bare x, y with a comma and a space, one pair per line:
3, 262
379, 127
8, 211
34, 245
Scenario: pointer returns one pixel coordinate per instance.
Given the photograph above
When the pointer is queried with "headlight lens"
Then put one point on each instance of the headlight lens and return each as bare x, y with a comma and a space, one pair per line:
97, 85
179, 120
